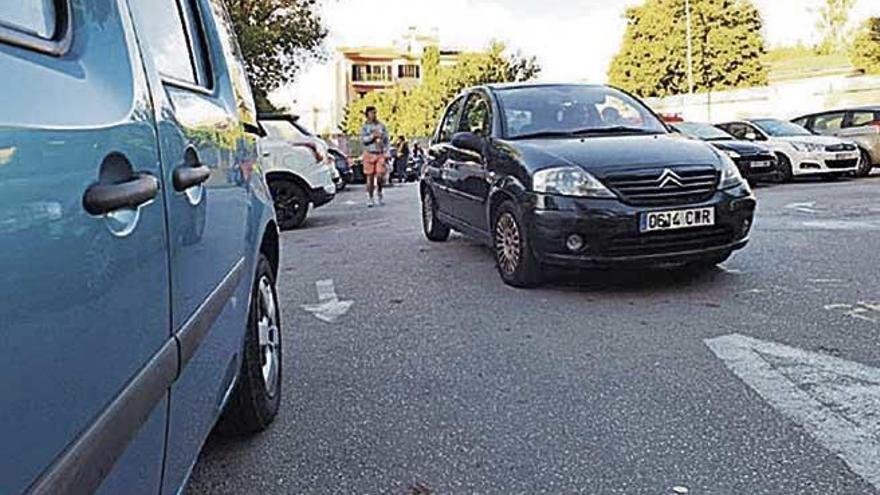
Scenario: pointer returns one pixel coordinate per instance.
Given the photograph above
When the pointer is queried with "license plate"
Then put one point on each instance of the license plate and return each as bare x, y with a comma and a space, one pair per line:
677, 219
844, 156
763, 164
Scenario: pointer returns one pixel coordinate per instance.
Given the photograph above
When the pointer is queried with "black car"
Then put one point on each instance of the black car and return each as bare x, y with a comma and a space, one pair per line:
756, 162
343, 166
579, 176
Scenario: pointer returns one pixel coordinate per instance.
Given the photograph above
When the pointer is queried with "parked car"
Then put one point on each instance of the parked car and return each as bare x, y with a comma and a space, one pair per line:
343, 166
756, 162
860, 125
140, 250
800, 152
297, 169
579, 176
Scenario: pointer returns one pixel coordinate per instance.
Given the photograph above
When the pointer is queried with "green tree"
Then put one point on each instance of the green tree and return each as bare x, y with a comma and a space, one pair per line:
865, 51
276, 37
833, 18
416, 112
727, 47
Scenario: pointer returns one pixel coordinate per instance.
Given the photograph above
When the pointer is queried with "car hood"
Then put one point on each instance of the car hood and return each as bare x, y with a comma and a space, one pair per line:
742, 147
612, 154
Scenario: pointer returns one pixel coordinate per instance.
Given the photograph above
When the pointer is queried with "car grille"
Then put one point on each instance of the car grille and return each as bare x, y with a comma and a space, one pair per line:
669, 242
669, 186
840, 147
841, 163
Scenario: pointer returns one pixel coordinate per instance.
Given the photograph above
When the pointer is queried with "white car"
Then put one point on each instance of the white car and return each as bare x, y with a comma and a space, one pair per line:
800, 152
298, 169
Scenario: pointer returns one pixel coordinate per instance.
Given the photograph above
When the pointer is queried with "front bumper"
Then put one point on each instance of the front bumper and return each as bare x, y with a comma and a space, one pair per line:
758, 167
610, 229
824, 162
322, 195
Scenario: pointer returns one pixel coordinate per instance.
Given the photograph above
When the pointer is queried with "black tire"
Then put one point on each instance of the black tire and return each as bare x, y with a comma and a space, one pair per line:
514, 259
253, 404
865, 164
710, 262
435, 230
291, 203
786, 174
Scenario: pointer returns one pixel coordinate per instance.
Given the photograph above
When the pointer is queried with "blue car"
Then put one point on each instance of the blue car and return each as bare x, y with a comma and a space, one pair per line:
139, 247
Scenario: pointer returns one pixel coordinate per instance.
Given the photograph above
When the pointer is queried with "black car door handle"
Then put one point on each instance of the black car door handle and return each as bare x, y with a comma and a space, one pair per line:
101, 199
187, 176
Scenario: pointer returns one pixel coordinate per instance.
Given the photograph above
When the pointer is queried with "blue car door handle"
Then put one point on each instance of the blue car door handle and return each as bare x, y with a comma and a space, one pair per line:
187, 176
102, 198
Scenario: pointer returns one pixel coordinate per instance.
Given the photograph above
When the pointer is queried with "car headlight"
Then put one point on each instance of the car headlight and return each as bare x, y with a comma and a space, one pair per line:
808, 147
732, 154
569, 181
730, 174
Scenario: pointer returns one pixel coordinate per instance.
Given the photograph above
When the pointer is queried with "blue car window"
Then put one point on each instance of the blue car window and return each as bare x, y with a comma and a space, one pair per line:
35, 17
166, 32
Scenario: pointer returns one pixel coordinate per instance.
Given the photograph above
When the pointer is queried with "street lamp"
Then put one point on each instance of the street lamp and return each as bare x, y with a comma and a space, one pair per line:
690, 47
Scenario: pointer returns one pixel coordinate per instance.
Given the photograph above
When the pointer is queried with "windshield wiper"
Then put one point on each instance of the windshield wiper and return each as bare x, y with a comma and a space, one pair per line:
617, 129
587, 131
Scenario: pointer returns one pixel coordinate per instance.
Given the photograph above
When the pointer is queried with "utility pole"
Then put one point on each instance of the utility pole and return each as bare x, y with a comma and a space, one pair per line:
690, 47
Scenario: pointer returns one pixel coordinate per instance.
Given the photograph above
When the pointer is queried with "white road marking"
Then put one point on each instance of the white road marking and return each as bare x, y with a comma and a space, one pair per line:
841, 225
329, 307
865, 311
834, 400
803, 207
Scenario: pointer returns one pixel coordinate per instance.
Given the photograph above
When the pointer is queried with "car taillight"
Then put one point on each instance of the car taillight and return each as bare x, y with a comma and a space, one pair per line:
875, 123
315, 151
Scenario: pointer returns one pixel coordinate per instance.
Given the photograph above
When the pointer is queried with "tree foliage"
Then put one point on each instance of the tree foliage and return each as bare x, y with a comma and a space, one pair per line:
727, 47
865, 51
416, 112
833, 18
276, 37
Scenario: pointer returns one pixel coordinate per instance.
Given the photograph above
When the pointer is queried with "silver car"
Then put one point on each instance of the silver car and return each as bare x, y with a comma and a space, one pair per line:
859, 125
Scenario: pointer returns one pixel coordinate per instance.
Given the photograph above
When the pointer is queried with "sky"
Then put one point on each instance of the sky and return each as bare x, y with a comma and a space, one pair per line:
574, 40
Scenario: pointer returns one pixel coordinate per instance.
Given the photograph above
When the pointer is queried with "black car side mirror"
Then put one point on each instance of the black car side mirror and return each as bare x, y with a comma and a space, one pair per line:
468, 141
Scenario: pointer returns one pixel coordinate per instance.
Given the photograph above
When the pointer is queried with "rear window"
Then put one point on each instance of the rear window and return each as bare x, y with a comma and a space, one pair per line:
34, 17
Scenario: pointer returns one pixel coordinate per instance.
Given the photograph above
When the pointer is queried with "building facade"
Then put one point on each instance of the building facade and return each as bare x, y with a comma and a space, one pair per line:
362, 70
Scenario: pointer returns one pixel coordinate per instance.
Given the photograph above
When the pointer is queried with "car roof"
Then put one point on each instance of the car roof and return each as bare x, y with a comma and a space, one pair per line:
867, 108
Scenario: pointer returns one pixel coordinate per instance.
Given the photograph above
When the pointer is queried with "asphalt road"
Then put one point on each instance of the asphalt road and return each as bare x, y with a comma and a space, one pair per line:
440, 379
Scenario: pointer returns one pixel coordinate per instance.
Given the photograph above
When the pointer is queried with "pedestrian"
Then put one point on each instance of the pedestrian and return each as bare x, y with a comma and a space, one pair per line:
419, 157
402, 159
374, 137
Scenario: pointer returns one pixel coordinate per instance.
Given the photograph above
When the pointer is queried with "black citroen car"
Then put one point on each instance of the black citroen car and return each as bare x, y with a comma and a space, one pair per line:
579, 176
756, 162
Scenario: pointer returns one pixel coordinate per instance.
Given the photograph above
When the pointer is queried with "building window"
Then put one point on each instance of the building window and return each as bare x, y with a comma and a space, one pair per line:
370, 73
409, 71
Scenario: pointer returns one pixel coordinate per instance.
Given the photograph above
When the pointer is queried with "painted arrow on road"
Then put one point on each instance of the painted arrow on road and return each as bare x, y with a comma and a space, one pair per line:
836, 401
329, 307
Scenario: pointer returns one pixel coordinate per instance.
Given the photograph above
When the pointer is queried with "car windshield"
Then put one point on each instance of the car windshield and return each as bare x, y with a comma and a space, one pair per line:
780, 128
705, 132
282, 129
573, 110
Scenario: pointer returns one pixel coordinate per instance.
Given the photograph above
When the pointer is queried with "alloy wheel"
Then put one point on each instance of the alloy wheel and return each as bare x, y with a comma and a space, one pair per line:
428, 212
268, 335
507, 243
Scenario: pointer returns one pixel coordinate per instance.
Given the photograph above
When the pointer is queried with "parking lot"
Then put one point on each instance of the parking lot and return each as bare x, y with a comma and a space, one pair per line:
411, 368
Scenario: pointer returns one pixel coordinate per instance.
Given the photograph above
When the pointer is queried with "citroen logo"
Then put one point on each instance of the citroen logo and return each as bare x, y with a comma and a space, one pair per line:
670, 179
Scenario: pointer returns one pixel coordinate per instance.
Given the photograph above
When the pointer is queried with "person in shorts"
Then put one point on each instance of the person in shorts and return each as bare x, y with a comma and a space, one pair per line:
374, 137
